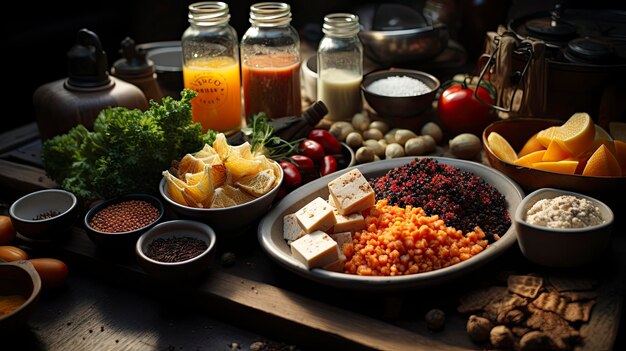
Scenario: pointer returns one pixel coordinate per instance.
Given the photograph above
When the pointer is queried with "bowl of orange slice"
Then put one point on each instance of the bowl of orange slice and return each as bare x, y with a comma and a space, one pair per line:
575, 154
227, 187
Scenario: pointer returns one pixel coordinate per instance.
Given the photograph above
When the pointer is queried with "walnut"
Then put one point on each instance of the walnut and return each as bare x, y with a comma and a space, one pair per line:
435, 319
501, 337
535, 341
478, 328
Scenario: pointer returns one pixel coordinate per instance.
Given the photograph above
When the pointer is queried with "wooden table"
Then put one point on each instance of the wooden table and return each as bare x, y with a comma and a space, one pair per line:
110, 303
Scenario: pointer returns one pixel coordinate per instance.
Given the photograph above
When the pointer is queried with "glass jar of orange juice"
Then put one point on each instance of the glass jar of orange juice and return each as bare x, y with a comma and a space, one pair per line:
211, 67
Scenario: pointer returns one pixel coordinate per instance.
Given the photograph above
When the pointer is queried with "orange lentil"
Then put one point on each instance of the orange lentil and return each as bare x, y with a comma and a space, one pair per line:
401, 241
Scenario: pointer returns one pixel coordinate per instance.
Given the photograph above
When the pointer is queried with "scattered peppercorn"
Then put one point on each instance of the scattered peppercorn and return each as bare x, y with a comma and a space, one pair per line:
124, 216
228, 259
461, 199
435, 319
46, 215
175, 249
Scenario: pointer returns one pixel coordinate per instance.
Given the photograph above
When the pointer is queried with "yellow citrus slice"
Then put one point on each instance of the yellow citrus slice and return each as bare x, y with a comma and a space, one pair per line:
190, 164
555, 152
545, 136
237, 195
206, 151
200, 187
602, 164
531, 145
566, 167
174, 188
244, 150
577, 134
528, 159
501, 148
618, 130
221, 199
221, 146
219, 175
620, 154
258, 184
241, 167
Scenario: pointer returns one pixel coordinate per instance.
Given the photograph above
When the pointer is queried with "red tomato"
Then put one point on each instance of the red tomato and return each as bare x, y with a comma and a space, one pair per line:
282, 192
304, 163
328, 141
329, 165
460, 112
312, 149
292, 177
53, 273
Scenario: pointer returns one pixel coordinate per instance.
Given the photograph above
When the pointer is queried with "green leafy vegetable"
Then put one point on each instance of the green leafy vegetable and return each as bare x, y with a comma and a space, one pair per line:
127, 149
263, 140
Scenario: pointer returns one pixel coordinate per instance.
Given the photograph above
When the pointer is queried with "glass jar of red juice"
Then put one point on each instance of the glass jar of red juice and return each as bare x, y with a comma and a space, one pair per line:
270, 62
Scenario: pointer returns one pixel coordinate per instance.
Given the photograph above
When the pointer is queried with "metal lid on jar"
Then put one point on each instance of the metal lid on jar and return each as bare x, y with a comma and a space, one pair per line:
270, 14
208, 13
341, 25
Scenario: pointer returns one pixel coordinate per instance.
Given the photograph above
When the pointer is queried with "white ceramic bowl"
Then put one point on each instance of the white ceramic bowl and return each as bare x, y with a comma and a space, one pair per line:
182, 269
24, 211
555, 247
228, 221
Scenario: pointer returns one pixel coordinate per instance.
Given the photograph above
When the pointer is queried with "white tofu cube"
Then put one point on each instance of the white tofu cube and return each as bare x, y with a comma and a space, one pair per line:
291, 228
351, 192
317, 249
350, 223
337, 266
316, 215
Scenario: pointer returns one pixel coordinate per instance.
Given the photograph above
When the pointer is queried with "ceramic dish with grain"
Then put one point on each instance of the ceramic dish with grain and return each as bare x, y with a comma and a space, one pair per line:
117, 223
398, 103
44, 215
187, 248
562, 247
270, 230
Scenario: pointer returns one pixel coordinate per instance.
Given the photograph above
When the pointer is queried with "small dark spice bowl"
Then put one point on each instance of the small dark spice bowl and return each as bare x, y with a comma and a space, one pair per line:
116, 224
44, 215
176, 249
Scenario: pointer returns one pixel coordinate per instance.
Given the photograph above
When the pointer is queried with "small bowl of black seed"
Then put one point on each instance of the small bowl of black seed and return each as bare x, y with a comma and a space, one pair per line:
117, 223
44, 215
176, 249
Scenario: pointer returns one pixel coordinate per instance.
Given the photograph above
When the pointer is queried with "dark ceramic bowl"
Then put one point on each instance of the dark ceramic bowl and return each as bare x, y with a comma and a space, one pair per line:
517, 131
555, 247
400, 106
227, 221
25, 211
18, 278
121, 241
182, 269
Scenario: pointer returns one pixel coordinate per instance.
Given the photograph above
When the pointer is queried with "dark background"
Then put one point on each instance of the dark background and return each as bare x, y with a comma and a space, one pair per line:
37, 38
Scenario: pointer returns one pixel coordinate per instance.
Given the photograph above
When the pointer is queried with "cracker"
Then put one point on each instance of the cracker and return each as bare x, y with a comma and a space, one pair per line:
552, 302
477, 299
525, 285
578, 311
510, 317
574, 296
557, 328
572, 284
503, 305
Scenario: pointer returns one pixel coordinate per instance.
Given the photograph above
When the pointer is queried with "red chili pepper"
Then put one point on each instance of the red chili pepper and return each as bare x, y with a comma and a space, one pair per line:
312, 149
328, 141
292, 178
329, 165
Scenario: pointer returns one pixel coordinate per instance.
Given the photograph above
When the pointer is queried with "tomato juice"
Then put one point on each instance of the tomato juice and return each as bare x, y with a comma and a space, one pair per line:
271, 84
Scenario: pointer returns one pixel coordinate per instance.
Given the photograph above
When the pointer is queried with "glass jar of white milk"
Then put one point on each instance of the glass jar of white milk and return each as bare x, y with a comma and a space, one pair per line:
340, 66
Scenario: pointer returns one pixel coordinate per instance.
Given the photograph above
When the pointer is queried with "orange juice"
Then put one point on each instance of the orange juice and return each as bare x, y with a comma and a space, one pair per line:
216, 80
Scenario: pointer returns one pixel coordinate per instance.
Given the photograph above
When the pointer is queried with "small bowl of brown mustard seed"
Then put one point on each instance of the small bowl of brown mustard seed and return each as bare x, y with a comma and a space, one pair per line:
176, 249
116, 224
44, 215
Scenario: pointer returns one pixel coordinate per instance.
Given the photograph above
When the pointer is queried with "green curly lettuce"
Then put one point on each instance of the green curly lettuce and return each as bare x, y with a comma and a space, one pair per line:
127, 149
